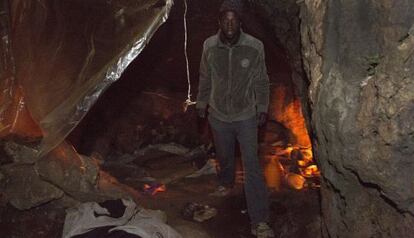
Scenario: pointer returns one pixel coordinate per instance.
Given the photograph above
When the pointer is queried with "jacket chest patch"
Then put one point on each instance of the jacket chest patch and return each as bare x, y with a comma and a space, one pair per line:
245, 63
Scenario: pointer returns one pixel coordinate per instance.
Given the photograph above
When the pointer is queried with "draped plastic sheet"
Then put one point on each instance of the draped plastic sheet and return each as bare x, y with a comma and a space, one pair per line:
58, 56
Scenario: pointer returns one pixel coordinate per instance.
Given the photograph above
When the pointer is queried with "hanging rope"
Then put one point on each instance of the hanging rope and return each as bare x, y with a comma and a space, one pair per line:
188, 102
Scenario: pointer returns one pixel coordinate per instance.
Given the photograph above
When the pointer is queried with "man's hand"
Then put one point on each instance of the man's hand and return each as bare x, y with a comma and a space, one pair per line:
201, 112
261, 118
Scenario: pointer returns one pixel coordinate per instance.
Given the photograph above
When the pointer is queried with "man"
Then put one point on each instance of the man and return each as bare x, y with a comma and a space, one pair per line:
235, 85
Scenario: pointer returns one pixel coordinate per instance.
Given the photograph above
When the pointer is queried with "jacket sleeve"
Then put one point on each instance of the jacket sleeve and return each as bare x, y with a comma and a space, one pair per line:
261, 85
204, 85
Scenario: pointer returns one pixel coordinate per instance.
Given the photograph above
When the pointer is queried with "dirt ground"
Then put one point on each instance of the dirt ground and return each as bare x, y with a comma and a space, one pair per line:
294, 213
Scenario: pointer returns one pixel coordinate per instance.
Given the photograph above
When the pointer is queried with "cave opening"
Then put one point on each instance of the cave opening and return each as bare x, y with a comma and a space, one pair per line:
137, 129
342, 91
143, 110
144, 106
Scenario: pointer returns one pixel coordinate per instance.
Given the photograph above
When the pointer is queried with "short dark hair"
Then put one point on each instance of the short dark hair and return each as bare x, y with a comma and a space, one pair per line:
235, 6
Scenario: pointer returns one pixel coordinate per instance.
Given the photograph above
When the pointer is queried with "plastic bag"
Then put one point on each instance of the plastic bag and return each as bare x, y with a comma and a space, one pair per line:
58, 57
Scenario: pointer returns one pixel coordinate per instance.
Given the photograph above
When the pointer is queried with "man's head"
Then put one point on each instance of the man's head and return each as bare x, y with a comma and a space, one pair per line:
229, 20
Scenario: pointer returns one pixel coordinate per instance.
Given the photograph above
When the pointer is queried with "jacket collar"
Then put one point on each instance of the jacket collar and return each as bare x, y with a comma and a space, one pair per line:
220, 44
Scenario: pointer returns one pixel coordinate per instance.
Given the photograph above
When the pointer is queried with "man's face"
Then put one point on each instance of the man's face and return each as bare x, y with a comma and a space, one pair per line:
229, 24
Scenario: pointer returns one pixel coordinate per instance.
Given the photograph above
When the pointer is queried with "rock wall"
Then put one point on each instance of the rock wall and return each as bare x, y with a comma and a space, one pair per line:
358, 56
281, 19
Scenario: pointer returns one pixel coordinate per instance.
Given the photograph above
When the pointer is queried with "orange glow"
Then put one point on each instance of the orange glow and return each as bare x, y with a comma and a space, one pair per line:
295, 181
310, 171
302, 163
273, 173
154, 189
284, 152
16, 118
287, 110
291, 116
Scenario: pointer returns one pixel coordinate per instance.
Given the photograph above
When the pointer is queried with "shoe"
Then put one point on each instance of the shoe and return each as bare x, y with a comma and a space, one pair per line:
262, 230
220, 191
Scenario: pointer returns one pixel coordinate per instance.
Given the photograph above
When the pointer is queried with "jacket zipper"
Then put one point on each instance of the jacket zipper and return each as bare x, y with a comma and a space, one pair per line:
230, 80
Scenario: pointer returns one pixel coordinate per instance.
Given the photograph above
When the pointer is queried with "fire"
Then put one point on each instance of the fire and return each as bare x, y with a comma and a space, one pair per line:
296, 159
291, 116
273, 174
310, 171
295, 181
154, 189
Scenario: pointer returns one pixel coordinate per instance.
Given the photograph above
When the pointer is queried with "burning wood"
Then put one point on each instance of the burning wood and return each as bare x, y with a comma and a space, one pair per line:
298, 167
161, 185
310, 171
295, 165
295, 181
153, 189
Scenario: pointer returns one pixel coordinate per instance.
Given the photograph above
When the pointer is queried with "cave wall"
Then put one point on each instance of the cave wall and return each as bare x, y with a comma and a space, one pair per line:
358, 56
281, 19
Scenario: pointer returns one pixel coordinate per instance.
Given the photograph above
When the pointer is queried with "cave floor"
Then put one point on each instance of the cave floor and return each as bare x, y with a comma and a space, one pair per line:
294, 213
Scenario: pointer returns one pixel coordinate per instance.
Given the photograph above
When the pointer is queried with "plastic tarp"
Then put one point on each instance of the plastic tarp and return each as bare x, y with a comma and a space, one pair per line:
58, 57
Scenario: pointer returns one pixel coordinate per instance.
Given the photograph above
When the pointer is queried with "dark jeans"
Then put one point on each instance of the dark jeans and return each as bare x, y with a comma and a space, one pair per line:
225, 135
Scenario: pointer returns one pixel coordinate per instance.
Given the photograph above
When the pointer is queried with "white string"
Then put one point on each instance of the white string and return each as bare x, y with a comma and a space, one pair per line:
188, 102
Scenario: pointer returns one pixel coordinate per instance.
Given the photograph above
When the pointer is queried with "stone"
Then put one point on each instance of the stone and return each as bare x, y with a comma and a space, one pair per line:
25, 189
411, 31
363, 134
71, 172
358, 58
20, 153
79, 176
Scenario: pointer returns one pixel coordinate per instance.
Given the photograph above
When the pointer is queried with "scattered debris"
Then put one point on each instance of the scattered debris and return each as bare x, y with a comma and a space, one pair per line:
209, 168
146, 179
179, 174
160, 184
172, 148
123, 159
198, 212
114, 216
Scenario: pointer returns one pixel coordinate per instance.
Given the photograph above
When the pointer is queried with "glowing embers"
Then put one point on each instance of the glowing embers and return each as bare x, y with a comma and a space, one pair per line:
302, 163
287, 145
291, 167
311, 171
153, 189
295, 181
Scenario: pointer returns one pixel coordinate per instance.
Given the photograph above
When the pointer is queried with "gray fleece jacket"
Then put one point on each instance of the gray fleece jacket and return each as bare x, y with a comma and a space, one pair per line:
233, 80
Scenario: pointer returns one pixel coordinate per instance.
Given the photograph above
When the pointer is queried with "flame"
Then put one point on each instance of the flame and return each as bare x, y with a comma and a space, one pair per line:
273, 173
154, 189
310, 171
295, 181
290, 115
299, 151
